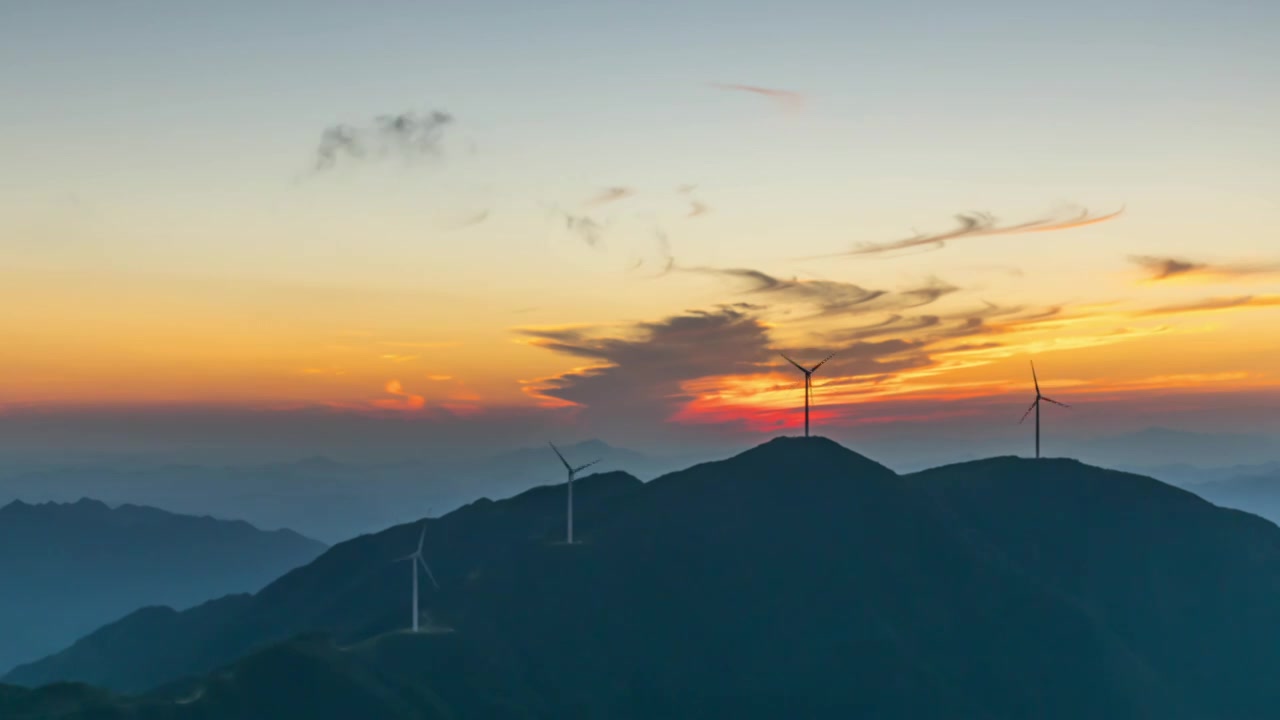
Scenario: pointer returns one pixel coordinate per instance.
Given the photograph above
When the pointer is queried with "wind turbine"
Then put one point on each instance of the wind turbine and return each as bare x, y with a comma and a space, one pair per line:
572, 472
1035, 405
416, 559
808, 384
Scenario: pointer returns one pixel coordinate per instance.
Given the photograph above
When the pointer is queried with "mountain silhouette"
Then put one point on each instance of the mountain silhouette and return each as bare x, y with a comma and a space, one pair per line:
65, 569
797, 579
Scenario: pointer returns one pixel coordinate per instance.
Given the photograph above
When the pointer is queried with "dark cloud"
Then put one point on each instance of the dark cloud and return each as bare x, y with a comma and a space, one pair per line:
787, 99
643, 366
406, 136
983, 224
1163, 268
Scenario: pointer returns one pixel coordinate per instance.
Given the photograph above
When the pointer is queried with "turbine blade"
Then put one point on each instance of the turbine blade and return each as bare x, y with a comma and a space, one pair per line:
799, 367
824, 362
1035, 379
1055, 402
1028, 412
557, 451
576, 470
422, 536
429, 575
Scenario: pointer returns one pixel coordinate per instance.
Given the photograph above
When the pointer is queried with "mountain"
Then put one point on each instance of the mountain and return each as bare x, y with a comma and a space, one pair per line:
66, 569
1190, 587
797, 579
391, 677
328, 499
1254, 489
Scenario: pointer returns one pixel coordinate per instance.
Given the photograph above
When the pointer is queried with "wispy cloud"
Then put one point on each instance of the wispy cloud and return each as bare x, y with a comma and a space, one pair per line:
981, 225
585, 228
1214, 304
786, 99
406, 136
830, 297
608, 195
1165, 268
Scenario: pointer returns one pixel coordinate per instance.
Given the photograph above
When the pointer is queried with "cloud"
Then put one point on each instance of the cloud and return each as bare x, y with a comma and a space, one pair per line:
831, 297
609, 195
1215, 304
892, 325
984, 224
640, 369
584, 227
407, 136
667, 369
788, 100
1161, 268
861, 359
1164, 268
467, 220
401, 400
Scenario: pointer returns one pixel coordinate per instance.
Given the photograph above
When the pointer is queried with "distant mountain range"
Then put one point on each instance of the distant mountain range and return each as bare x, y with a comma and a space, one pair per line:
1166, 446
1254, 489
797, 579
317, 496
66, 569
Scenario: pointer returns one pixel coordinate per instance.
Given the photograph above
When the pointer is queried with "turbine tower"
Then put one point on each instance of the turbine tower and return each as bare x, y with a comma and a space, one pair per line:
416, 559
808, 384
572, 472
1035, 405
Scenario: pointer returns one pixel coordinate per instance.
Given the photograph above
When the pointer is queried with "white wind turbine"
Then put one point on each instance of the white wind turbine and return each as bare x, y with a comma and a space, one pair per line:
572, 472
417, 559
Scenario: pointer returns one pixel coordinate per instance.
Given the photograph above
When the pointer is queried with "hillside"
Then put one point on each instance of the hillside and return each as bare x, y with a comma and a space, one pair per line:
66, 569
398, 676
796, 579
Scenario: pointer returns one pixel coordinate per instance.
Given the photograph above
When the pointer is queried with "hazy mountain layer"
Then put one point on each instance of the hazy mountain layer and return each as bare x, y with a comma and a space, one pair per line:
67, 569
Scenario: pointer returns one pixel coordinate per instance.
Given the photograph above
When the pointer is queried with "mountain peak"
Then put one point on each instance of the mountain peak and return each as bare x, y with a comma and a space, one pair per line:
807, 451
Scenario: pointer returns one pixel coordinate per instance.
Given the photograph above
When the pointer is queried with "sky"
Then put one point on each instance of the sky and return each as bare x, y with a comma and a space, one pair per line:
490, 222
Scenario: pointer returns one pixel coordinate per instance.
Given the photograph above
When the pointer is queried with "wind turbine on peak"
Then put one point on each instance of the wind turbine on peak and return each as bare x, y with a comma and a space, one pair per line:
416, 559
1035, 405
808, 384
573, 471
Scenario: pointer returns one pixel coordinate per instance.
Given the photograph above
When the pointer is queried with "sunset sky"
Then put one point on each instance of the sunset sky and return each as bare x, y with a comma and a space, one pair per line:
608, 220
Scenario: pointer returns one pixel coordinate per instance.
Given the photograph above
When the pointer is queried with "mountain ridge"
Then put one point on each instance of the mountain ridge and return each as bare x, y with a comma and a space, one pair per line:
888, 595
132, 556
